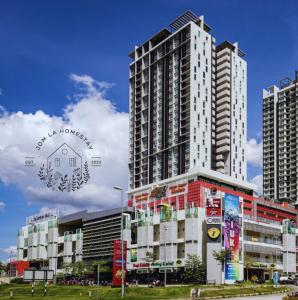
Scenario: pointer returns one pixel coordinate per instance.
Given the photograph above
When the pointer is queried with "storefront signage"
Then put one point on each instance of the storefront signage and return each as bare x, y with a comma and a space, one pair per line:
141, 265
177, 189
153, 265
49, 215
232, 237
142, 197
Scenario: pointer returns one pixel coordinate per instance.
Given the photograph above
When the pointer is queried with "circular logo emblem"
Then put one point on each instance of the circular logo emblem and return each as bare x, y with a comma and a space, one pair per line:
213, 191
213, 232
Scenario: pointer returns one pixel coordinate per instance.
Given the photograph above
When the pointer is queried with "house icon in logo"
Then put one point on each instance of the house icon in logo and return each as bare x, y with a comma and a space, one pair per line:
65, 160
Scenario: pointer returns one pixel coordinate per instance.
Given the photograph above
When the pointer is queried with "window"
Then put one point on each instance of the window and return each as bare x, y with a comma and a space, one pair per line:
72, 162
57, 162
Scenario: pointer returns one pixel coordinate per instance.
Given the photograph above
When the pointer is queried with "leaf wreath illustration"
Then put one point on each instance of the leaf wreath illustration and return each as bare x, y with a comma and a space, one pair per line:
86, 174
62, 185
49, 176
41, 174
79, 181
73, 183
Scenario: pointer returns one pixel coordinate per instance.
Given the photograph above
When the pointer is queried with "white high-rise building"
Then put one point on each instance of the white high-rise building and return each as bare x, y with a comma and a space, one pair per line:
187, 104
231, 97
280, 114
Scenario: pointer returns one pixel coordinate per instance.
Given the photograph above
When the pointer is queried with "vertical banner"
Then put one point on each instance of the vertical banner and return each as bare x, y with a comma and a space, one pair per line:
117, 263
232, 237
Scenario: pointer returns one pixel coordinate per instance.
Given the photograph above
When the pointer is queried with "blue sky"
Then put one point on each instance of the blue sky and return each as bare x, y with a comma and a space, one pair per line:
43, 42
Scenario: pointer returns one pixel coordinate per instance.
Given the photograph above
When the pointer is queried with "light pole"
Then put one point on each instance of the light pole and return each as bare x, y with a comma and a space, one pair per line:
165, 267
10, 255
97, 292
122, 244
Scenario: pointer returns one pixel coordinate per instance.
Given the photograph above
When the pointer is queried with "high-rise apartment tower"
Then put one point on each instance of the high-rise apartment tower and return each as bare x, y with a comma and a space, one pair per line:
280, 147
187, 104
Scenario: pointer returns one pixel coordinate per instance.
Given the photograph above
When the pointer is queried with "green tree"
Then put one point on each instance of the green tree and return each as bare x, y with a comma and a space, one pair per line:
150, 258
220, 256
2, 267
248, 262
67, 268
194, 270
79, 268
104, 266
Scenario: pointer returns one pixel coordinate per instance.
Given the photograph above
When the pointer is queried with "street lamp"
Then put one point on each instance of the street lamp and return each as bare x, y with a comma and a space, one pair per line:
122, 244
165, 268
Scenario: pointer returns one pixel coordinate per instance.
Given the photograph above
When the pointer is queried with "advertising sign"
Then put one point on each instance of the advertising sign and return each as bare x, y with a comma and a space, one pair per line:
133, 255
117, 263
288, 227
213, 207
213, 220
213, 233
232, 237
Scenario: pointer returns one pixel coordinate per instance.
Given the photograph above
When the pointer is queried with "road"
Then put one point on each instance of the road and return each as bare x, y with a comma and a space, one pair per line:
267, 297
260, 297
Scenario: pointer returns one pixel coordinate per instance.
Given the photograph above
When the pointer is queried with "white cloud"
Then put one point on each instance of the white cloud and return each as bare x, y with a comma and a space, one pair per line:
255, 153
2, 205
9, 250
258, 181
90, 113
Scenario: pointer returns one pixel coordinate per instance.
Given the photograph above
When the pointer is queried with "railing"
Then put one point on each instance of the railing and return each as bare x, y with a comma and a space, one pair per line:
262, 240
266, 260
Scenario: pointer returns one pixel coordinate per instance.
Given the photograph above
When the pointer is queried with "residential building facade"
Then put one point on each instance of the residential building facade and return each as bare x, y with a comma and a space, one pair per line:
280, 114
187, 104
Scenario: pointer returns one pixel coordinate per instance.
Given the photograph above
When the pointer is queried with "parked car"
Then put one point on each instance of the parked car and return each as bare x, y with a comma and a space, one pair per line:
287, 280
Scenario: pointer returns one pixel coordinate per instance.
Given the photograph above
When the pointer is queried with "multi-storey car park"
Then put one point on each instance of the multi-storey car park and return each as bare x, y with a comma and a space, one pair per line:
50, 241
280, 113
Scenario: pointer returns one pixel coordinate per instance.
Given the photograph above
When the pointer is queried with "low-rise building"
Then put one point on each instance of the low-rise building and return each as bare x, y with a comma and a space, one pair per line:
179, 217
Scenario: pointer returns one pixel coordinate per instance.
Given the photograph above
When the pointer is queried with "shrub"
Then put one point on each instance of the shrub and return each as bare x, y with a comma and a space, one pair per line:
17, 280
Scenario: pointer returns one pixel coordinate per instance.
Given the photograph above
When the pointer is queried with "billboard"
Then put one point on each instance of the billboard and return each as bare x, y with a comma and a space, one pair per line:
232, 237
117, 262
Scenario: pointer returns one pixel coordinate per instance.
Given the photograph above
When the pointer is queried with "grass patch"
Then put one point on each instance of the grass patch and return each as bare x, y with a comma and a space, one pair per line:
242, 290
107, 293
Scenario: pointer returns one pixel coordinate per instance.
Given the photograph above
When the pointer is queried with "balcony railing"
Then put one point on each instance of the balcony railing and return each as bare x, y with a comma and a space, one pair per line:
262, 240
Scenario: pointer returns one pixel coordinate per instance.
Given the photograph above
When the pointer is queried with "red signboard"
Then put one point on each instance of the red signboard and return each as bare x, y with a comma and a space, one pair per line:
177, 189
213, 207
117, 262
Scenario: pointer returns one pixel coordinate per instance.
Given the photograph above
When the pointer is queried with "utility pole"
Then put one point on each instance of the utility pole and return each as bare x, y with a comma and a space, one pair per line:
97, 292
165, 253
